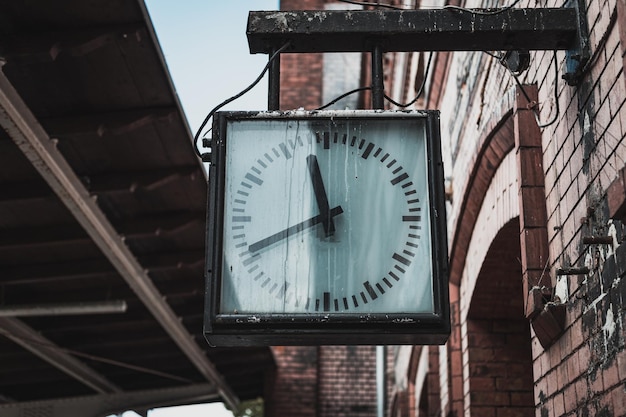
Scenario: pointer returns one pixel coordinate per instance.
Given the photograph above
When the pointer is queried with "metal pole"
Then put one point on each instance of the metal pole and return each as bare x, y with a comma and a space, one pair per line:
381, 380
273, 92
378, 88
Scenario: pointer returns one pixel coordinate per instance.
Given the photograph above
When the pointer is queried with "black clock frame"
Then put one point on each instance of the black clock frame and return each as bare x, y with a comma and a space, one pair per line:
325, 328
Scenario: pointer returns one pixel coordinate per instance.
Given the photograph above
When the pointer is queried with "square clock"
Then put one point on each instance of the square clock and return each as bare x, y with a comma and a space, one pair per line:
326, 227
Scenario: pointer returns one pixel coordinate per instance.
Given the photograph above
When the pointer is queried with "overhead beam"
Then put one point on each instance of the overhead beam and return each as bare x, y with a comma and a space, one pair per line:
34, 342
105, 404
63, 309
46, 47
113, 123
447, 29
24, 129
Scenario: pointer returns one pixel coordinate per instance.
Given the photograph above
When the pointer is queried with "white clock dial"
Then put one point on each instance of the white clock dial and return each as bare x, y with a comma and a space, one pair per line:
326, 217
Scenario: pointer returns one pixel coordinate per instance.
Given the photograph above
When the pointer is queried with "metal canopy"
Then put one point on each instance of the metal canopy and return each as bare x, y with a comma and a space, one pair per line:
448, 29
101, 198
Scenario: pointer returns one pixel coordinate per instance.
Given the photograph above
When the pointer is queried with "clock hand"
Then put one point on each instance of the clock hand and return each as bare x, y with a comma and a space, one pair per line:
320, 195
284, 234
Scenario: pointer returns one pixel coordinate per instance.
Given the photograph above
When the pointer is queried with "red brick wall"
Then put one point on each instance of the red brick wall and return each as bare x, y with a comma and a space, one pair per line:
301, 74
500, 364
293, 390
347, 381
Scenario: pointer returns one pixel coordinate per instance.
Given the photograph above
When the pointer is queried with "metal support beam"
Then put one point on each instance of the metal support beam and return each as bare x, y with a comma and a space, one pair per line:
24, 129
32, 341
106, 404
378, 87
447, 29
273, 94
64, 309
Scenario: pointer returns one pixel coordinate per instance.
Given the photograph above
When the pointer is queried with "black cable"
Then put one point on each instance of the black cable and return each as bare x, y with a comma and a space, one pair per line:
344, 95
235, 97
419, 92
556, 92
482, 12
369, 3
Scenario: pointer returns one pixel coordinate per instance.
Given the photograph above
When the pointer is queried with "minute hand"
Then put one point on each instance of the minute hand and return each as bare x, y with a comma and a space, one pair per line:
284, 234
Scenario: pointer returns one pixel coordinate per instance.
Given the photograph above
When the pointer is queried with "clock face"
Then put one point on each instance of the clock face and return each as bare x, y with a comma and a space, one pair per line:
326, 216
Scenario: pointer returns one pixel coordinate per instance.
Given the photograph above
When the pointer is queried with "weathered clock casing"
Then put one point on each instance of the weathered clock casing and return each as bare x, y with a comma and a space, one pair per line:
249, 301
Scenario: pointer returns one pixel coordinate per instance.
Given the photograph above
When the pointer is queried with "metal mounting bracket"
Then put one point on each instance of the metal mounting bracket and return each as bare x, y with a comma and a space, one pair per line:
576, 58
446, 29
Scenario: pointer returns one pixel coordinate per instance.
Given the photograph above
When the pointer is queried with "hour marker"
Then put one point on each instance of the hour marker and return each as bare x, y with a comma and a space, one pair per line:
395, 171
353, 141
384, 157
386, 281
263, 164
410, 192
363, 297
251, 259
326, 301
394, 276
411, 244
345, 303
254, 268
378, 151
390, 164
344, 139
399, 178
254, 179
415, 200
255, 169
368, 150
242, 218
276, 152
411, 218
406, 252
317, 304
335, 137
370, 290
259, 275
407, 184
268, 157
245, 184
239, 236
240, 201
414, 209
336, 305
238, 227
239, 210
326, 140
399, 268
284, 150
380, 288
361, 143
354, 301
267, 280
244, 193
241, 245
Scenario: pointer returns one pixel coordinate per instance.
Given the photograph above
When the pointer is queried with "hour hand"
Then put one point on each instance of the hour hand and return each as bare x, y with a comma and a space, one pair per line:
320, 195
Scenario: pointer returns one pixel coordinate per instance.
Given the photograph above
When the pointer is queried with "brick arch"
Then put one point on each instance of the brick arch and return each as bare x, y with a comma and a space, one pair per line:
493, 148
497, 365
500, 204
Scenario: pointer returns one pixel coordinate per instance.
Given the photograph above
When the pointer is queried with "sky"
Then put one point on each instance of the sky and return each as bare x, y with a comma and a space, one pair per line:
206, 50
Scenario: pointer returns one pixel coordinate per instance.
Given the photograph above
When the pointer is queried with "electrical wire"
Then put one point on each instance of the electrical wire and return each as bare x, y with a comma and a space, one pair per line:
235, 97
419, 92
369, 3
344, 95
556, 92
482, 12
